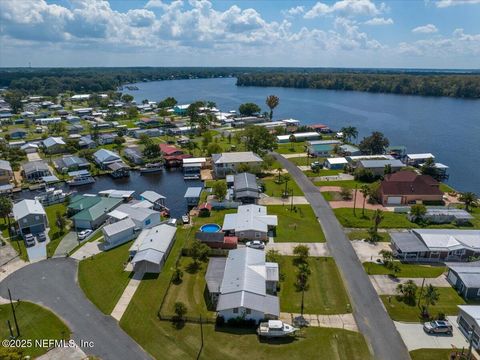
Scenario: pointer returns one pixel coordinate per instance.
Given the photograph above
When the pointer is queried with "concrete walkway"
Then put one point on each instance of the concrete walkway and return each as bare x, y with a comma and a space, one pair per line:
367, 251
67, 353
316, 249
67, 244
127, 296
339, 177
87, 250
338, 321
386, 285
35, 156
273, 200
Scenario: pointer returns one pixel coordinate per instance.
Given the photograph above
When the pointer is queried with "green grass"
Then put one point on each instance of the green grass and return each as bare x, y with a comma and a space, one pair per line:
16, 242
431, 354
447, 304
406, 270
446, 188
331, 195
274, 189
322, 172
326, 293
289, 148
103, 279
341, 183
299, 226
54, 234
390, 219
304, 161
363, 234
35, 323
190, 291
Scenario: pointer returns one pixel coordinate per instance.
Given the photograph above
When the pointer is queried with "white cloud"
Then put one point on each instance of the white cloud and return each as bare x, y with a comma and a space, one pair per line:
425, 29
379, 21
297, 10
449, 3
345, 8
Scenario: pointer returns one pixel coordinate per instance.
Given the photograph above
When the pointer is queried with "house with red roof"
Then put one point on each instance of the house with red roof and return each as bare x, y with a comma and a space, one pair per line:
408, 187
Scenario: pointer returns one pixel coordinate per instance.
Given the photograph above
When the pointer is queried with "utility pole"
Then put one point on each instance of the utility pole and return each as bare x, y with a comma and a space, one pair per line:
10, 328
471, 332
291, 202
13, 311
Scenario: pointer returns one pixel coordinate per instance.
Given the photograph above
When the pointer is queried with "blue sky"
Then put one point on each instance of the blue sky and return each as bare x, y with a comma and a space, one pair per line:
343, 33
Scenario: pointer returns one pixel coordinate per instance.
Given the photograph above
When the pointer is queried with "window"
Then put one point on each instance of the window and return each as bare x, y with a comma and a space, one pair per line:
24, 221
257, 235
148, 222
478, 292
248, 311
235, 310
37, 217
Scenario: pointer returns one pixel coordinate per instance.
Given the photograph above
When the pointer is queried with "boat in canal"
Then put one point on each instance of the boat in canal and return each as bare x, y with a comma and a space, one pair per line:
52, 196
80, 177
151, 168
275, 328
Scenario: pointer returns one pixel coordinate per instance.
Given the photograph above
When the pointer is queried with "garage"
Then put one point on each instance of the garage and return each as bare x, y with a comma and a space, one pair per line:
394, 200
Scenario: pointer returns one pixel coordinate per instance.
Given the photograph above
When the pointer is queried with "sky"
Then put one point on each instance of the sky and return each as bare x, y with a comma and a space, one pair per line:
345, 33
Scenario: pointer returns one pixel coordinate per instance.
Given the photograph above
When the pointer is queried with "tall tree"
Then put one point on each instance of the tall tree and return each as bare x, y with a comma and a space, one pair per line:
258, 139
365, 190
272, 102
469, 199
374, 144
6, 209
248, 109
431, 296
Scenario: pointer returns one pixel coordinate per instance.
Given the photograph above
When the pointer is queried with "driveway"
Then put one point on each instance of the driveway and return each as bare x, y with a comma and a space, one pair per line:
386, 285
367, 251
88, 250
53, 284
67, 244
35, 156
37, 252
273, 200
415, 338
316, 249
371, 317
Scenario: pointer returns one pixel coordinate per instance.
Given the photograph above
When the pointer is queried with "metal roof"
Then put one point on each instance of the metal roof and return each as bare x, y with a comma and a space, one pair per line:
236, 157
5, 165
193, 192
369, 164
158, 238
151, 196
104, 155
150, 255
27, 207
449, 239
215, 273
469, 273
135, 213
119, 227
408, 242
267, 304
245, 181
51, 141
249, 217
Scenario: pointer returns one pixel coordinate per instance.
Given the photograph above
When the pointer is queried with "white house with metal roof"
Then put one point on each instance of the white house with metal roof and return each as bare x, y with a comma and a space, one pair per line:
377, 167
30, 216
336, 163
228, 163
465, 278
156, 199
143, 218
118, 233
468, 320
104, 157
417, 159
53, 144
251, 222
244, 285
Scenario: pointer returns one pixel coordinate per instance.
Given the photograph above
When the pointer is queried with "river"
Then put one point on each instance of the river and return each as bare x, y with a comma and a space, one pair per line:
447, 127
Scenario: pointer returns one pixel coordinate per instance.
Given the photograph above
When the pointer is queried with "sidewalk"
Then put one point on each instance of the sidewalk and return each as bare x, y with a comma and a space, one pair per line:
87, 250
338, 321
67, 244
127, 296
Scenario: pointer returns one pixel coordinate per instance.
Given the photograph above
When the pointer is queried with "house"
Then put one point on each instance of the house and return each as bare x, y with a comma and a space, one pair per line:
83, 111
35, 170
73, 119
377, 167
118, 233
247, 120
321, 148
297, 137
134, 155
465, 278
104, 157
151, 248
183, 130
397, 151
228, 163
6, 172
192, 167
144, 218
407, 187
30, 148
16, 144
125, 195
337, 163
80, 97
243, 285
169, 150
118, 169
441, 170
417, 159
30, 216
180, 109
442, 215
18, 134
251, 222
192, 195
436, 245
148, 122
106, 138
54, 145
468, 320
91, 211
86, 142
75, 129
154, 198
349, 150
70, 163
149, 132
217, 240
245, 188
321, 128
48, 121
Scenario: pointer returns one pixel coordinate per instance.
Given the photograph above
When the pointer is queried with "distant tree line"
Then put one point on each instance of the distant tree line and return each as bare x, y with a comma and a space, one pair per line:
433, 84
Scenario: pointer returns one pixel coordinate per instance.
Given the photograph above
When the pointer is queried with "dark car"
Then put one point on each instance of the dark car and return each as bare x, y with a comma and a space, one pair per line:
438, 327
41, 237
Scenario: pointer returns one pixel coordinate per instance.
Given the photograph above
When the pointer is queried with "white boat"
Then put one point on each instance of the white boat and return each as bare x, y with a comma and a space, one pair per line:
81, 177
52, 196
149, 168
275, 328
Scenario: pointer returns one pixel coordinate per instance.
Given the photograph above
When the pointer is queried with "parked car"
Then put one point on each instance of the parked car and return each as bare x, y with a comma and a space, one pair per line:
29, 240
438, 327
41, 237
84, 234
256, 244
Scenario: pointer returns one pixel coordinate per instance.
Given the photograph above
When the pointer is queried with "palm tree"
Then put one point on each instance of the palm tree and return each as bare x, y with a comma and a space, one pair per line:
349, 133
469, 198
431, 296
408, 291
286, 179
5, 209
272, 102
303, 273
365, 190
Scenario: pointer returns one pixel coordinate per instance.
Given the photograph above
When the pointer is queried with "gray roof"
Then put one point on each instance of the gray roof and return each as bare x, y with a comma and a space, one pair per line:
369, 164
33, 166
104, 155
193, 192
267, 304
150, 255
245, 181
215, 272
27, 207
52, 141
151, 196
70, 161
469, 273
458, 214
157, 238
5, 165
236, 157
135, 213
118, 227
117, 166
247, 194
216, 237
408, 242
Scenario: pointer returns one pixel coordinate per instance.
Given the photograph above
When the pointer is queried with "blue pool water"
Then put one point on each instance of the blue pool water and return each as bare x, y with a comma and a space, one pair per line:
210, 228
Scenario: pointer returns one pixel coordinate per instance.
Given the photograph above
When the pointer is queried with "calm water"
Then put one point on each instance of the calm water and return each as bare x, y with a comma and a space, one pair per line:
169, 183
448, 128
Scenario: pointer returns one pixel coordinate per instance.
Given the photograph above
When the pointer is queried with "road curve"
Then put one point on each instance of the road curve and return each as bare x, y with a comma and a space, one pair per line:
52, 283
370, 315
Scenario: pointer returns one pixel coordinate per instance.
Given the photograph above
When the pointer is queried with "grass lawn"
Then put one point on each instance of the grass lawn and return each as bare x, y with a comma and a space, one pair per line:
326, 293
35, 322
342, 183
322, 172
406, 270
289, 148
431, 354
331, 195
304, 161
299, 226
102, 277
447, 304
16, 241
54, 233
446, 188
363, 234
190, 291
274, 189
390, 219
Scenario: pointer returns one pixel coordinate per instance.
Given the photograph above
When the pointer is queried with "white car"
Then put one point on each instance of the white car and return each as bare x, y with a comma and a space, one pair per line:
29, 240
255, 244
84, 234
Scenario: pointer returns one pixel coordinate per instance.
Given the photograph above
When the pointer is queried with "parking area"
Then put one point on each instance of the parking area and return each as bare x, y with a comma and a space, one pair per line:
38, 251
367, 251
316, 249
416, 338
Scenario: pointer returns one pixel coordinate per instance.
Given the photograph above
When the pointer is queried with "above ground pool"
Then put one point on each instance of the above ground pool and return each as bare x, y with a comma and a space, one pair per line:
210, 228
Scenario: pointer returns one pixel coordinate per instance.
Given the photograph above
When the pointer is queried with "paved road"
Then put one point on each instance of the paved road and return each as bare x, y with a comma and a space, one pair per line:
372, 319
52, 283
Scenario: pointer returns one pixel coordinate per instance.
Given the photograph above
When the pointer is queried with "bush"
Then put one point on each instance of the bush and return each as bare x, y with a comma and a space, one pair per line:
441, 316
241, 322
220, 321
364, 175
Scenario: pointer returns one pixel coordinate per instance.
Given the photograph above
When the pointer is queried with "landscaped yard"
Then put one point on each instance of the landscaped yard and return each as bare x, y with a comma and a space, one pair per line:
35, 323
272, 188
291, 148
431, 354
322, 172
342, 183
326, 293
447, 304
406, 270
190, 291
363, 234
304, 161
390, 219
54, 234
103, 279
296, 226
